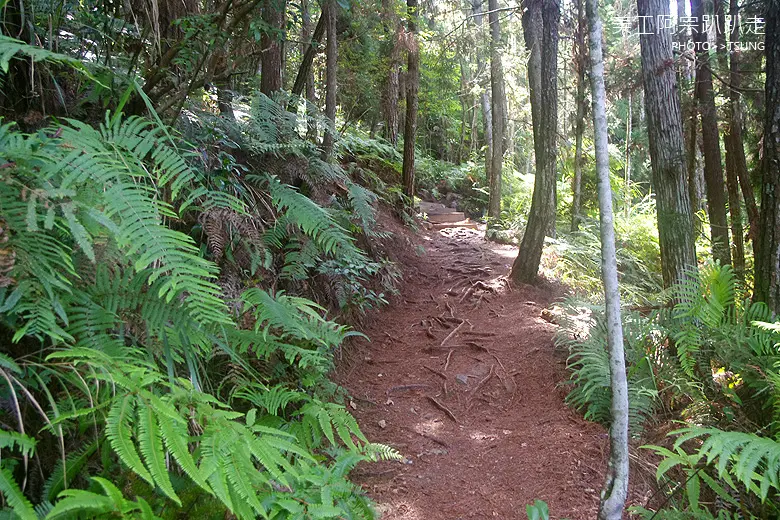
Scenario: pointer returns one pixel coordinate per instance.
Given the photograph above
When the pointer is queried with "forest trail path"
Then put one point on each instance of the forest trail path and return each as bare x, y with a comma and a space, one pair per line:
461, 376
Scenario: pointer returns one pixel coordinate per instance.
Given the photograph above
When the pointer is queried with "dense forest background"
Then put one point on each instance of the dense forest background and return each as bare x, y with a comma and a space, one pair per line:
194, 208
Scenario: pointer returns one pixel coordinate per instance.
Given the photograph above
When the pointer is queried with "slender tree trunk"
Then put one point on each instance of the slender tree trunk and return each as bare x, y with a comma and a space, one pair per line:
581, 57
498, 108
667, 149
695, 179
487, 129
305, 76
332, 58
767, 273
270, 42
412, 85
487, 113
543, 79
732, 151
465, 103
613, 496
735, 148
713, 169
627, 163
391, 91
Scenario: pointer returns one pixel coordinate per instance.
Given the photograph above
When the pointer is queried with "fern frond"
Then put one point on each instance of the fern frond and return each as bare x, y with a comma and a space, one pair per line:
17, 442
14, 496
753, 460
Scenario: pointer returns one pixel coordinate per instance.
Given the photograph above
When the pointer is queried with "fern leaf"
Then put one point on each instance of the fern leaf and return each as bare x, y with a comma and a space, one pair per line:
151, 445
17, 441
14, 496
174, 437
119, 427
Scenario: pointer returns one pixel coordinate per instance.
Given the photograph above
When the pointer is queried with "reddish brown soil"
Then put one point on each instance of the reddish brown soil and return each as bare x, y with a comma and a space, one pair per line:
486, 448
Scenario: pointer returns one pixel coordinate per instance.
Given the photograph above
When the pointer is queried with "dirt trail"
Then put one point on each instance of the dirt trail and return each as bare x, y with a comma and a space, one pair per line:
462, 377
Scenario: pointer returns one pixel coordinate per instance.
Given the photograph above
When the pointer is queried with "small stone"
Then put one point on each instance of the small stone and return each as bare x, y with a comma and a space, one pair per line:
462, 379
383, 424
352, 405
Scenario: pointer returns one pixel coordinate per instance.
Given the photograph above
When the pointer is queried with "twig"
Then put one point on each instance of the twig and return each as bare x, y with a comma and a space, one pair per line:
475, 345
499, 362
468, 293
427, 436
485, 380
440, 374
442, 408
478, 333
417, 386
451, 334
395, 339
449, 308
447, 362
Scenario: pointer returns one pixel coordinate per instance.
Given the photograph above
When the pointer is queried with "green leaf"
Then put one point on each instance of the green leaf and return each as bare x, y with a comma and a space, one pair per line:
14, 496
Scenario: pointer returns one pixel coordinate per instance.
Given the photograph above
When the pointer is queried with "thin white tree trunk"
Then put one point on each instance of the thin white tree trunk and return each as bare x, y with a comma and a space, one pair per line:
613, 496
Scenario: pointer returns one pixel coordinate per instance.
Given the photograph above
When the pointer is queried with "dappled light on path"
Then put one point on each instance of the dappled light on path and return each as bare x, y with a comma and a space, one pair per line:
462, 377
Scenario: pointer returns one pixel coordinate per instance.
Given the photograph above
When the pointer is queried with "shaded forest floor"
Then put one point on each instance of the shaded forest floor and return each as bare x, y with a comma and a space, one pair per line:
462, 377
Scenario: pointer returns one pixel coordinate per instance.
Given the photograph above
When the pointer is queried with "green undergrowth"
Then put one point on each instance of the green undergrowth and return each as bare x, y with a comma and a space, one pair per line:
709, 361
168, 306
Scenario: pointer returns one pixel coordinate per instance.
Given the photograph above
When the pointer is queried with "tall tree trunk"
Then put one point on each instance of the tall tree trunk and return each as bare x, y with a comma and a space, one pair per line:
713, 169
487, 128
270, 43
484, 99
304, 79
735, 148
581, 57
732, 150
498, 109
767, 273
543, 79
465, 104
613, 496
627, 163
412, 85
391, 91
667, 149
332, 58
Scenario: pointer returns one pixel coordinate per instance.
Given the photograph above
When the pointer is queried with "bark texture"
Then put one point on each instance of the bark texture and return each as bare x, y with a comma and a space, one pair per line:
735, 148
270, 42
412, 86
580, 64
667, 149
767, 276
305, 77
613, 496
498, 109
713, 169
540, 26
332, 54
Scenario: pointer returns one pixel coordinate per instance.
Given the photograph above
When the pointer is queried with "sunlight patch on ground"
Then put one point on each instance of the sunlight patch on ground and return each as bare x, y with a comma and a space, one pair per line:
399, 511
482, 437
430, 427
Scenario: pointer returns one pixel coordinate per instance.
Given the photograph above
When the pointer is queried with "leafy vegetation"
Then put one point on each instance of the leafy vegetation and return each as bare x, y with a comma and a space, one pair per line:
138, 368
711, 360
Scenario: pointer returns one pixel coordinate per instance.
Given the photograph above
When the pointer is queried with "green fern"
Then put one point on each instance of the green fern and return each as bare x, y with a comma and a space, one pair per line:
14, 496
583, 332
752, 460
